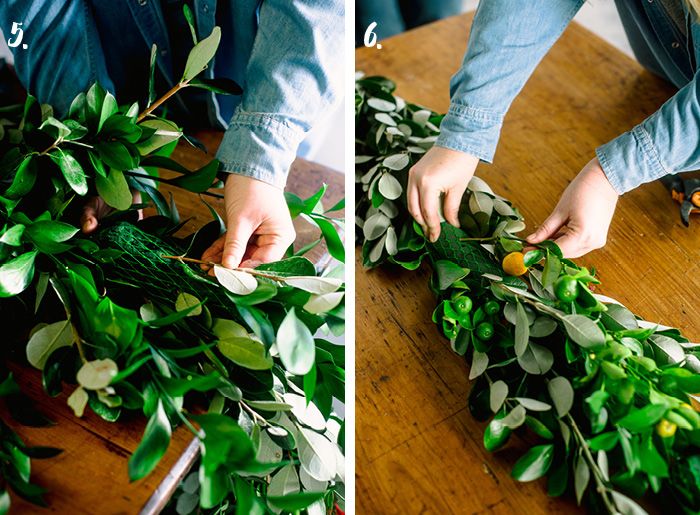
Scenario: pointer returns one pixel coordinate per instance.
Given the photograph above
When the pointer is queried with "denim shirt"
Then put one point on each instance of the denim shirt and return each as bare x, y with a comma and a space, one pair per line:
507, 43
286, 55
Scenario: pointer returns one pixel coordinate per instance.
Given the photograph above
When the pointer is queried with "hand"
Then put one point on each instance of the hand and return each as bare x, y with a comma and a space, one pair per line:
582, 217
441, 170
259, 225
95, 209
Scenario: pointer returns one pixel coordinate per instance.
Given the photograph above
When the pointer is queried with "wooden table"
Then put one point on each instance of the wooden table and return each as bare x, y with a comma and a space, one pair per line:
418, 449
90, 476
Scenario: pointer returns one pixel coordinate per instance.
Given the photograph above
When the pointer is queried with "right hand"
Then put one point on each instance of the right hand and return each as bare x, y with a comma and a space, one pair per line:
441, 170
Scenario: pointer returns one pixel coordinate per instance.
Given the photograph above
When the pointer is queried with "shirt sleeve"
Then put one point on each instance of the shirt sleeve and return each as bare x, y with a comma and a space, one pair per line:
667, 142
505, 45
63, 55
294, 75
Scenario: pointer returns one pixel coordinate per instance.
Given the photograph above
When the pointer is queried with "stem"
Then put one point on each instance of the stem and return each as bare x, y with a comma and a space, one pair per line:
172, 182
256, 416
250, 271
537, 305
155, 105
597, 474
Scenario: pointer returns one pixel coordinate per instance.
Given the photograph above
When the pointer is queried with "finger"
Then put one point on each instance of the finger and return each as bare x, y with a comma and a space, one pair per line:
414, 203
571, 246
453, 198
237, 238
88, 220
548, 228
215, 251
429, 207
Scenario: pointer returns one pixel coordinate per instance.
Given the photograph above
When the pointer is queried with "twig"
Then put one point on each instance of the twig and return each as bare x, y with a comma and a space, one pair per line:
256, 416
155, 105
250, 271
601, 488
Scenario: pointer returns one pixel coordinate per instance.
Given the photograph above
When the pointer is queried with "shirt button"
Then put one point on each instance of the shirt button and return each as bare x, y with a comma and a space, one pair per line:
142, 2
675, 44
206, 8
163, 52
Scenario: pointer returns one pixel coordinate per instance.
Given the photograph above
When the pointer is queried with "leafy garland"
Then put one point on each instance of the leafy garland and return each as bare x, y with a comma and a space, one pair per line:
126, 317
607, 394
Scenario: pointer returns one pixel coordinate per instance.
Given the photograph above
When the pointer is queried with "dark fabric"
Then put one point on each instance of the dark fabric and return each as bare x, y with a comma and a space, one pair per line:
656, 40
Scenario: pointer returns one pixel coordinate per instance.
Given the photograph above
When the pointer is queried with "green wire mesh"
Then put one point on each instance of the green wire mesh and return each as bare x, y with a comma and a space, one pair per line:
466, 254
141, 264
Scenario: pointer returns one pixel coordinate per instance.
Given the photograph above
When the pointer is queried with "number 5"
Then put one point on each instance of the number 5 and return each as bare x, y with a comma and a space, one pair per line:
20, 34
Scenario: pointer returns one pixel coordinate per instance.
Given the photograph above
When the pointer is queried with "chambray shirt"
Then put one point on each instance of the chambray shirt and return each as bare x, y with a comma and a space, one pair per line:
506, 44
287, 55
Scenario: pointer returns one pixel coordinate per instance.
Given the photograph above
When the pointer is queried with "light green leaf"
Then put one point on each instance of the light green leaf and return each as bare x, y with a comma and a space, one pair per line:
186, 301
97, 374
72, 171
16, 274
236, 344
497, 395
318, 304
201, 54
562, 394
522, 330
295, 344
77, 401
389, 186
395, 162
235, 281
316, 285
46, 340
584, 331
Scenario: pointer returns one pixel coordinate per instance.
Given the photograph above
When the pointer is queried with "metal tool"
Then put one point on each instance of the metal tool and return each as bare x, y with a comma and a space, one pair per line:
686, 192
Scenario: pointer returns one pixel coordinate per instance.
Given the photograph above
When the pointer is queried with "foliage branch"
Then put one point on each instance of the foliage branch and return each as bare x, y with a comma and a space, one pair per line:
607, 396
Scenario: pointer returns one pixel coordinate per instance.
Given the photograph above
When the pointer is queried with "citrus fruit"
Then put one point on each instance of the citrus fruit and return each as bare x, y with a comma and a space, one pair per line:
514, 264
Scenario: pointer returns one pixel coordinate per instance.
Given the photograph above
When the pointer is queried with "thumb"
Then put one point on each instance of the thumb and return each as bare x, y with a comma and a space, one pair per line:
548, 228
236, 243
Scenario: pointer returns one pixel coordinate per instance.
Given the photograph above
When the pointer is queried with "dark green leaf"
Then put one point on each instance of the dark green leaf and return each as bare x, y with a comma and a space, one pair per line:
534, 463
155, 441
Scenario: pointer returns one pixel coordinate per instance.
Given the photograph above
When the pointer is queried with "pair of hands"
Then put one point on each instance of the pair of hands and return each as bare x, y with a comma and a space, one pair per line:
259, 225
578, 224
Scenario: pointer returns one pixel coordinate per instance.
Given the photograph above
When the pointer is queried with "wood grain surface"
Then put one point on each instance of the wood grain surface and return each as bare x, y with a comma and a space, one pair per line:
418, 449
90, 476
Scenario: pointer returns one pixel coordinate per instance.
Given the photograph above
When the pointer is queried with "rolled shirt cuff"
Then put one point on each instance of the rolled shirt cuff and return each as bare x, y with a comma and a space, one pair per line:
471, 130
630, 160
260, 145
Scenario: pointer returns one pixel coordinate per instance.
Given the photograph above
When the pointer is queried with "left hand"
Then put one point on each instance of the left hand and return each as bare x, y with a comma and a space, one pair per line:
581, 219
258, 221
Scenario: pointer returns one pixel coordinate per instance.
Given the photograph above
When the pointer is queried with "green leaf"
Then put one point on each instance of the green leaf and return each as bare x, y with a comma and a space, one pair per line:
313, 284
448, 272
152, 75
496, 435
13, 236
295, 501
16, 274
604, 441
235, 281
536, 359
71, 170
584, 331
24, 179
116, 155
239, 347
552, 269
109, 107
154, 443
562, 394
497, 395
222, 85
533, 257
201, 54
295, 344
200, 180
639, 420
186, 301
166, 132
330, 235
582, 476
46, 340
522, 330
534, 463
187, 12
114, 190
